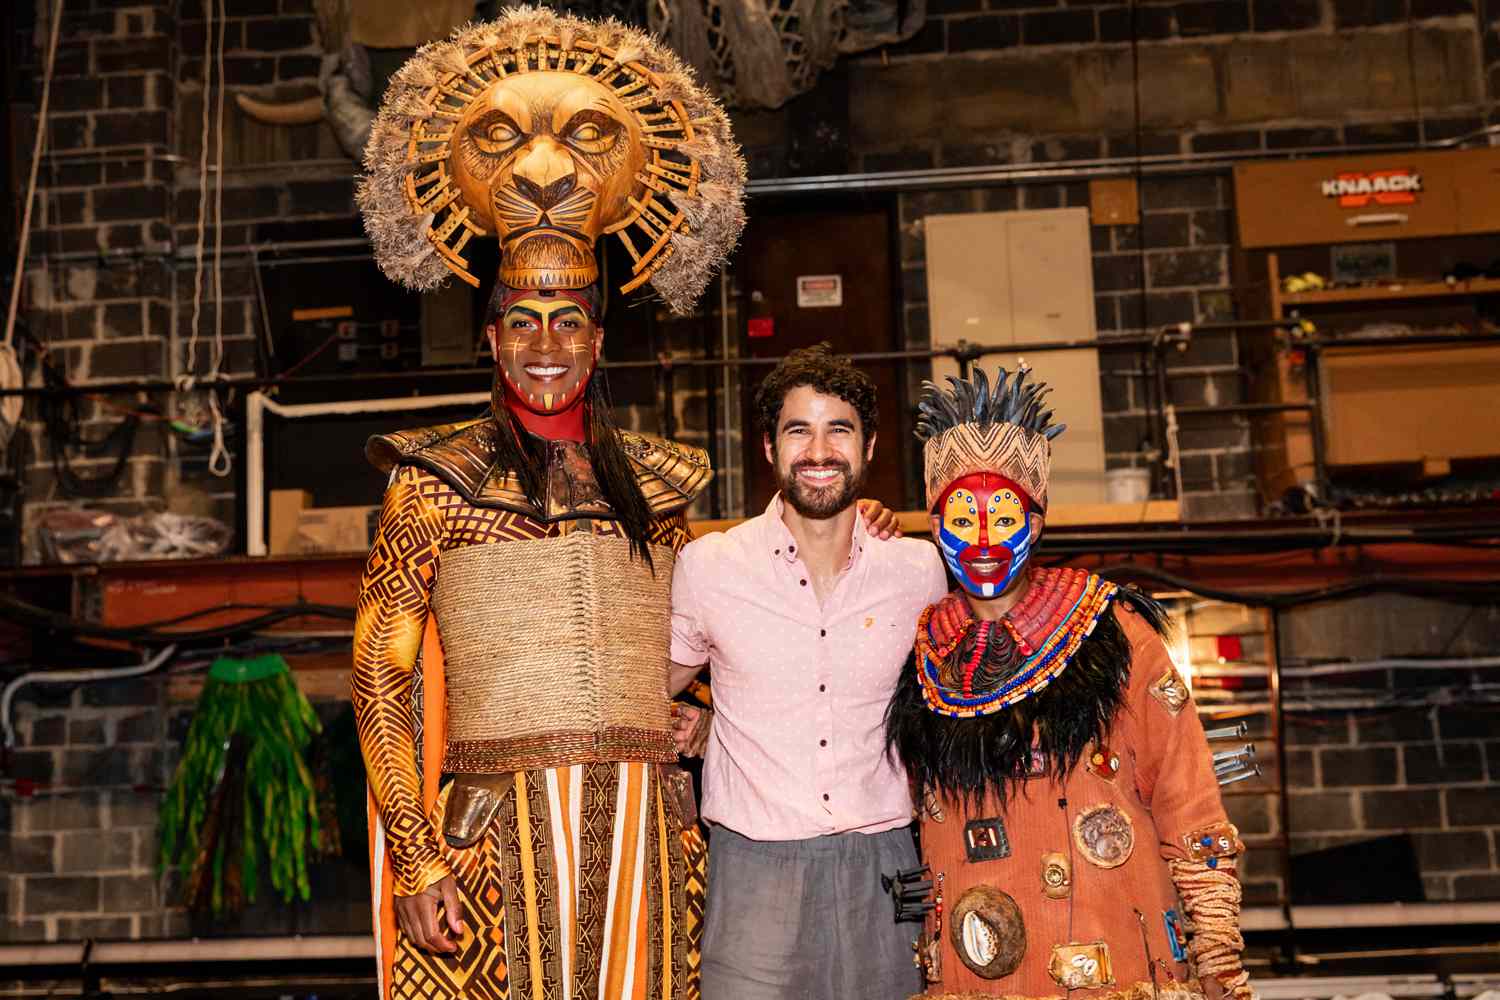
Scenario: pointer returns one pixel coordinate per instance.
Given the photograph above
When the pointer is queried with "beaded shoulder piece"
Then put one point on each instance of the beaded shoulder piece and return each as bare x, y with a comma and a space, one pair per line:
1057, 614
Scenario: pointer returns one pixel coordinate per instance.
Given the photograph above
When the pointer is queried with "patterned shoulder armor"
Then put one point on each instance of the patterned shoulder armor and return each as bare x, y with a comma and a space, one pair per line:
461, 454
671, 475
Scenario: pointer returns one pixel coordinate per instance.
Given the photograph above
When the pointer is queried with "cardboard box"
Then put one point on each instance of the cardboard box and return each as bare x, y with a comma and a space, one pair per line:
1409, 404
336, 529
286, 508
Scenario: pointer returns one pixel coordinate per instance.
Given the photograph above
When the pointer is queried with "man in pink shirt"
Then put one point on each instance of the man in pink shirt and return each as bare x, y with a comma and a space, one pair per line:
806, 620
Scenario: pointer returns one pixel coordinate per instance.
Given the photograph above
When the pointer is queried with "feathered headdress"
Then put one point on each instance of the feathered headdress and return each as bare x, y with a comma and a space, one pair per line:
974, 428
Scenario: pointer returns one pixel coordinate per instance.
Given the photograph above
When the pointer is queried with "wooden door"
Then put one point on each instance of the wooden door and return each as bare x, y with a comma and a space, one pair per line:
855, 245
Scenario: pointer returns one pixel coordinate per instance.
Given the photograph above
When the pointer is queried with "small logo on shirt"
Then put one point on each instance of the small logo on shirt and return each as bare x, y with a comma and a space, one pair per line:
869, 622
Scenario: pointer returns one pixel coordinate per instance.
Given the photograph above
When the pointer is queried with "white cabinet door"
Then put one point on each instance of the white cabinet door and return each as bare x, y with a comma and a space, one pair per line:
1011, 278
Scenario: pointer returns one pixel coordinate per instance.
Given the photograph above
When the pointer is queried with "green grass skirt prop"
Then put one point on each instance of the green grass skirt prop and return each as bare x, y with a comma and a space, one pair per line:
243, 802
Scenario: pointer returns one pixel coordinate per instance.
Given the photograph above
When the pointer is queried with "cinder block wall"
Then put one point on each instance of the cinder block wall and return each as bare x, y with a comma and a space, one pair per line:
79, 840
988, 81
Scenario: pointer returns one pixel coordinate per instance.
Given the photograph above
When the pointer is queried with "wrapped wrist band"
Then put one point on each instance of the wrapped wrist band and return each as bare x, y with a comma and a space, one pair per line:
1211, 897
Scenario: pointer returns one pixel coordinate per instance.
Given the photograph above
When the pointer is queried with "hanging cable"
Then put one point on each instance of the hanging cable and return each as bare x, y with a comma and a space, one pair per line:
72, 677
185, 381
219, 462
10, 367
63, 421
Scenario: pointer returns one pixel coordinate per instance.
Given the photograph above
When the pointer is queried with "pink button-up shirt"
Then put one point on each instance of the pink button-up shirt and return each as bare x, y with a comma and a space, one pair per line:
800, 689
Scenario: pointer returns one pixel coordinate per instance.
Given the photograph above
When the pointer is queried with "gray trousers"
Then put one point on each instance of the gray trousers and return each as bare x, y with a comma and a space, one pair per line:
807, 919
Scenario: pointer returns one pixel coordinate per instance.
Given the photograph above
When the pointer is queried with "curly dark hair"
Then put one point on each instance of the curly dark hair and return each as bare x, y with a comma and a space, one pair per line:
820, 368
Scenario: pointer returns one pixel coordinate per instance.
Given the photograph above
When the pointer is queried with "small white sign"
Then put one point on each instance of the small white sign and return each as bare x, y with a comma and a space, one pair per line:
820, 291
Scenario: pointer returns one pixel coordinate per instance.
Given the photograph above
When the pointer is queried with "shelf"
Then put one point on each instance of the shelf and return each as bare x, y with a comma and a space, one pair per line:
1385, 293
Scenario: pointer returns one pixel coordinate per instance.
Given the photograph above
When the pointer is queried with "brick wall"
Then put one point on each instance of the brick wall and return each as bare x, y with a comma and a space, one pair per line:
1017, 82
1028, 82
1172, 267
101, 301
1372, 754
79, 843
987, 82
78, 833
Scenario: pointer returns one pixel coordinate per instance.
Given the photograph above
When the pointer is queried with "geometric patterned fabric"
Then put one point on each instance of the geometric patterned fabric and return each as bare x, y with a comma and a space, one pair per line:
540, 888
585, 885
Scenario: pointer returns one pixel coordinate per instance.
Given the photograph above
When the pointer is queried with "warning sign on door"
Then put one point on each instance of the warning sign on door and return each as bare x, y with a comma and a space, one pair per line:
820, 291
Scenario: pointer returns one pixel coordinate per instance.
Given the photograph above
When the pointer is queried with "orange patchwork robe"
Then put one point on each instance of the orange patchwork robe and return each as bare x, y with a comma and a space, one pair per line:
536, 648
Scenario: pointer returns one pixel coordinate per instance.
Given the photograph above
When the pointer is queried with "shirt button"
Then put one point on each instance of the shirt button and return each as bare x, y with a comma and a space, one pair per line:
803, 582
822, 743
822, 631
825, 796
822, 687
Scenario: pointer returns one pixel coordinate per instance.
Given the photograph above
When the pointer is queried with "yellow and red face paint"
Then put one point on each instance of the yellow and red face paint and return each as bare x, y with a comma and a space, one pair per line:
547, 349
984, 531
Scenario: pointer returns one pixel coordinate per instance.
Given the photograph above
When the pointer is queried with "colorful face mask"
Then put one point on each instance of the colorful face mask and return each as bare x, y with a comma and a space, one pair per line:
546, 347
984, 534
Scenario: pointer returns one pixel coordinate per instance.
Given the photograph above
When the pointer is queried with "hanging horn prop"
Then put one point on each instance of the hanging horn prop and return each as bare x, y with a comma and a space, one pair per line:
304, 112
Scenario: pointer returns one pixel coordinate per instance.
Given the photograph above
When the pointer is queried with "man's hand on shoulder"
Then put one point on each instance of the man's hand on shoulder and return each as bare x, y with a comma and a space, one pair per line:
690, 729
880, 520
418, 918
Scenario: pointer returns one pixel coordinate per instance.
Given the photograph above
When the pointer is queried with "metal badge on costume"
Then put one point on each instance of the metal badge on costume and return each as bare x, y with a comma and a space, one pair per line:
985, 839
988, 932
473, 803
1176, 936
1057, 875
1081, 966
1104, 835
1210, 843
1170, 691
1104, 763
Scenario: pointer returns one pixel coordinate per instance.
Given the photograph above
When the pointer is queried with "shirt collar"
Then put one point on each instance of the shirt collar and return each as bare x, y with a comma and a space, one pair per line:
783, 543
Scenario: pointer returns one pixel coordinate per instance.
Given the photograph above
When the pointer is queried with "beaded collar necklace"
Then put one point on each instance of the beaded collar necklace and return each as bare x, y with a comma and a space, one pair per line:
1047, 626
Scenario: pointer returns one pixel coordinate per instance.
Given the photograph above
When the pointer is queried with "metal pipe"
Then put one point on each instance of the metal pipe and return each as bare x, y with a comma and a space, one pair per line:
1365, 666
192, 950
1315, 416
1233, 732
958, 353
1191, 411
189, 951
1324, 343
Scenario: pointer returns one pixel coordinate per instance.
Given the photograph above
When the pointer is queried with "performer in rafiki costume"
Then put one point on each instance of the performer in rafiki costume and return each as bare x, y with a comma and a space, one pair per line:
535, 838
1071, 823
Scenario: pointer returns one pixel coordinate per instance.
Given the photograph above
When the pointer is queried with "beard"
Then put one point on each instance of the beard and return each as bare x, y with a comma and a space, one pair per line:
821, 502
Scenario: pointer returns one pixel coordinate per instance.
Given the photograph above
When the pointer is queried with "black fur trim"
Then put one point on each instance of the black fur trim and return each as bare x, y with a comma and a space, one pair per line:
969, 759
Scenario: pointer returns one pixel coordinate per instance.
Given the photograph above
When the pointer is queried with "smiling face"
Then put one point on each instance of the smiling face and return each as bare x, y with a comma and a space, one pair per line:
546, 348
548, 160
983, 525
820, 452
